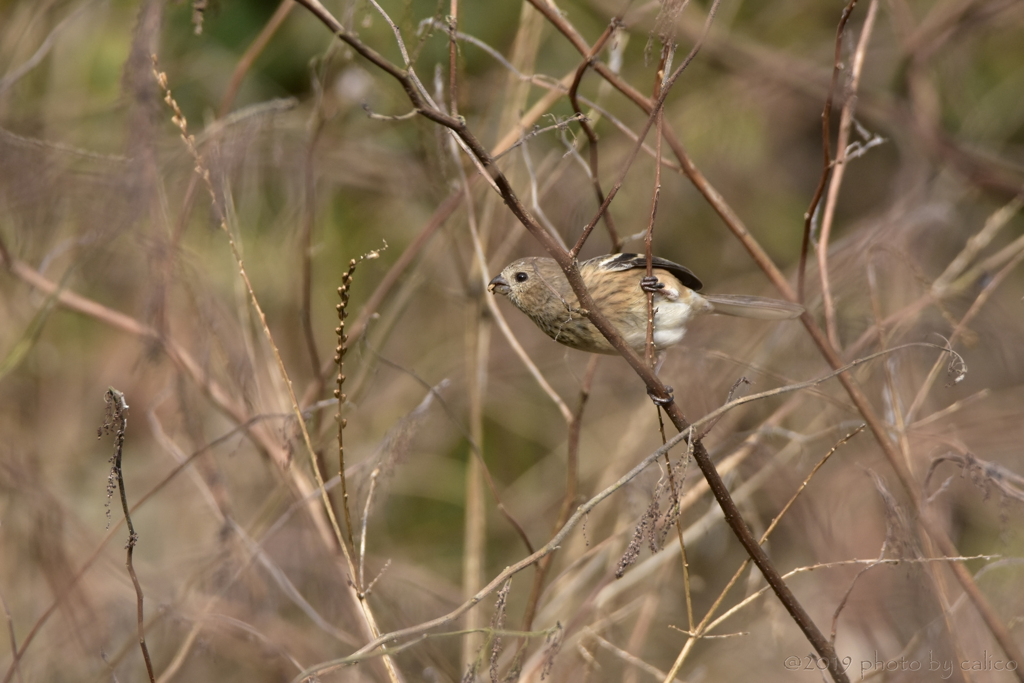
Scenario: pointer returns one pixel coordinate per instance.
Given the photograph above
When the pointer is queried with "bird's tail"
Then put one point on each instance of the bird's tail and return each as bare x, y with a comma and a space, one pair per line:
756, 307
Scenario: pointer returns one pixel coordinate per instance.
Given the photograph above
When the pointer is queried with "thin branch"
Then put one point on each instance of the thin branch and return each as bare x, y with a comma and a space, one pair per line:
571, 489
632, 660
474, 447
845, 121
117, 423
706, 624
250, 55
17, 73
826, 148
978, 241
453, 52
362, 534
959, 559
561, 125
13, 638
595, 177
659, 80
983, 296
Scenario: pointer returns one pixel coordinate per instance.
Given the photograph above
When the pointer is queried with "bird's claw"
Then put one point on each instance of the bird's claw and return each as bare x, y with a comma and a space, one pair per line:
650, 283
658, 400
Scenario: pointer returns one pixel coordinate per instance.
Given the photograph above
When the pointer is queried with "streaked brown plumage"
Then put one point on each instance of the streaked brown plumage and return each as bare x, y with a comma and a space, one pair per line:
538, 288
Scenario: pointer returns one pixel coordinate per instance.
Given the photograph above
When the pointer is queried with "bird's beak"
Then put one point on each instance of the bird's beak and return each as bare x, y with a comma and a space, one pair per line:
498, 286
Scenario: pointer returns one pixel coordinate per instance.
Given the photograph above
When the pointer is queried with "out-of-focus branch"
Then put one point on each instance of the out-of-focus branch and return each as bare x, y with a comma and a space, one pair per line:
839, 171
254, 50
826, 149
571, 490
178, 119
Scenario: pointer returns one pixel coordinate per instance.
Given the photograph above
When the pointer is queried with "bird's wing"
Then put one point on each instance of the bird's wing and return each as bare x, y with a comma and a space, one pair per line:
616, 262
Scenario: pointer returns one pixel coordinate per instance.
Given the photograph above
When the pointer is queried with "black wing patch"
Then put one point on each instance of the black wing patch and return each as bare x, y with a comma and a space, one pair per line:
631, 261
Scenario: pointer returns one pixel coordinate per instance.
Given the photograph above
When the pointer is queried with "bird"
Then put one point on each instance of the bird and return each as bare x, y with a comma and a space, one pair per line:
538, 287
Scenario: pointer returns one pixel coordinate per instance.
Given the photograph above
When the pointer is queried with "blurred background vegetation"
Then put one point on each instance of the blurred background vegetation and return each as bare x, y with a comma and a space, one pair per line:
116, 272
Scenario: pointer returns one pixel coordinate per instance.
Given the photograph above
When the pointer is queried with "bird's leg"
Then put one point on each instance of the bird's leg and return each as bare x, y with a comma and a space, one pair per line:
658, 362
649, 283
658, 400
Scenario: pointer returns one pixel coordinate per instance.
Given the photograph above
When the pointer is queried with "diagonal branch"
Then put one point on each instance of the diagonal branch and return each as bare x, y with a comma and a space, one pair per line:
568, 264
772, 272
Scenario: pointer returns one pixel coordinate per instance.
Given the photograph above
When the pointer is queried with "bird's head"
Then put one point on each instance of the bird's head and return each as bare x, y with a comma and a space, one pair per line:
529, 283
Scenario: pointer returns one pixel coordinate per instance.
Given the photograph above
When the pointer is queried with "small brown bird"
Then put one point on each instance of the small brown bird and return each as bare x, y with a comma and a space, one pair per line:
538, 288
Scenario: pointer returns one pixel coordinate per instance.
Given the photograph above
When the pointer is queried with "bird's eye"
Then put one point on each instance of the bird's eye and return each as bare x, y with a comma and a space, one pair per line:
522, 277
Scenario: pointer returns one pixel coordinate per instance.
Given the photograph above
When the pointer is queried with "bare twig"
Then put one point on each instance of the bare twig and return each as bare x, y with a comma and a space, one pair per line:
982, 298
826, 148
571, 490
17, 73
706, 624
659, 80
116, 423
477, 340
975, 244
453, 52
959, 559
362, 534
838, 172
595, 177
633, 660
11, 635
254, 50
